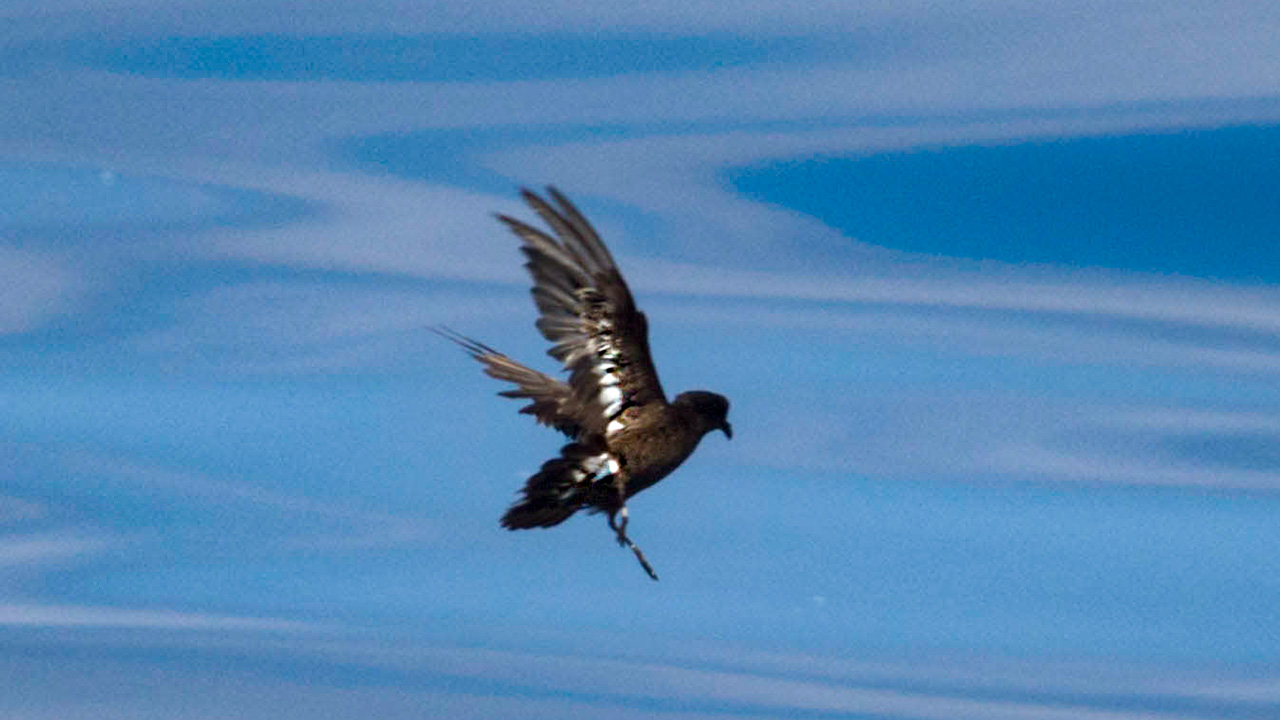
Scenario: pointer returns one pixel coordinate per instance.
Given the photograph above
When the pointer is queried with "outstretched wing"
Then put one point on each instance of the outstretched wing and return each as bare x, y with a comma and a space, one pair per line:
588, 314
552, 402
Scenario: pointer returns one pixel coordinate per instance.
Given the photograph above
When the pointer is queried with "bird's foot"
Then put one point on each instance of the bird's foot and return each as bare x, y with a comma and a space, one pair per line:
643, 563
620, 532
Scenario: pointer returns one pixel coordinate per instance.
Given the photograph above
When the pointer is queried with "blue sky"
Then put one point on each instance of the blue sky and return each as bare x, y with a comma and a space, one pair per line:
992, 288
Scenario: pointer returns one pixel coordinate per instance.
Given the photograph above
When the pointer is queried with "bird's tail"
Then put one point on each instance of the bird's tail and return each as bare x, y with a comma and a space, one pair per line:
561, 487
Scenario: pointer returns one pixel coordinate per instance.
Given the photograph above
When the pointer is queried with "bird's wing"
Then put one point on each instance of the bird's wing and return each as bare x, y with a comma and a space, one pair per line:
552, 401
588, 314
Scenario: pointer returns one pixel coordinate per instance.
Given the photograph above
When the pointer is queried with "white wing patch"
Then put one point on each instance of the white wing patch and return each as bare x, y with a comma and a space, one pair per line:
611, 399
591, 469
605, 369
598, 467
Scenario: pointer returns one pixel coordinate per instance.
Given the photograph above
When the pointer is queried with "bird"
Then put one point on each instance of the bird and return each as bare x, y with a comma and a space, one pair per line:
624, 435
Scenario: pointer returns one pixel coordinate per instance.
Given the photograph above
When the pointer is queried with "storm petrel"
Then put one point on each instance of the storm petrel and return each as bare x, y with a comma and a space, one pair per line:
625, 435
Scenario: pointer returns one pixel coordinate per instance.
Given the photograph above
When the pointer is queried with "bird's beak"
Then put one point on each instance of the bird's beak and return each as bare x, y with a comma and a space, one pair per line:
727, 429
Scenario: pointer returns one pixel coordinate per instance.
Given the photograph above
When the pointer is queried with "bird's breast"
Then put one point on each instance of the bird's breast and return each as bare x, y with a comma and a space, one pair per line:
648, 459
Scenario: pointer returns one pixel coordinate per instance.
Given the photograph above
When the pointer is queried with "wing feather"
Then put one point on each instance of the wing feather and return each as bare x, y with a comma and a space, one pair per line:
588, 313
582, 229
551, 401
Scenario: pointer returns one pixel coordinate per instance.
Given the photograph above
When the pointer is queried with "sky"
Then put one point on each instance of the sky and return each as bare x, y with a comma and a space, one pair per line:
992, 288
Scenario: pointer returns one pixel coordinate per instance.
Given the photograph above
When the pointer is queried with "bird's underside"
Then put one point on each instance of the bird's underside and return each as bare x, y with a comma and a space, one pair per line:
624, 434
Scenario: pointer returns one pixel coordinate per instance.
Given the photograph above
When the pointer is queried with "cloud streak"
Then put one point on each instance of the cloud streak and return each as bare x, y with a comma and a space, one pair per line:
69, 616
747, 693
299, 522
26, 551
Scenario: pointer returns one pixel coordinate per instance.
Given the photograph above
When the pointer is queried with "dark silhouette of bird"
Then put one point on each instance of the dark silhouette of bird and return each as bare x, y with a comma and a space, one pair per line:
624, 434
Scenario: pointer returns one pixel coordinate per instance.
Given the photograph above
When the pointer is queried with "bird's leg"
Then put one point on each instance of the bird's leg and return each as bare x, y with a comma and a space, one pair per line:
623, 540
620, 486
621, 528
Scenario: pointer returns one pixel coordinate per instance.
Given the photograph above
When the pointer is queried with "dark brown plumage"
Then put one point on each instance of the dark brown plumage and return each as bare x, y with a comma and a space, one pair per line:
624, 434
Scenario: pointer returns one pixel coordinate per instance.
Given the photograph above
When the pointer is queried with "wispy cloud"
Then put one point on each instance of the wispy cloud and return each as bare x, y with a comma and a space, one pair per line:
1135, 468
34, 550
304, 326
1168, 326
989, 52
72, 616
627, 681
993, 57
300, 522
387, 226
547, 687
363, 223
1008, 289
984, 431
1001, 675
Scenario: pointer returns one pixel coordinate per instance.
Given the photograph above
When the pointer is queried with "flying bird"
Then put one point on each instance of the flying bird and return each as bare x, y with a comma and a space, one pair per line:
624, 434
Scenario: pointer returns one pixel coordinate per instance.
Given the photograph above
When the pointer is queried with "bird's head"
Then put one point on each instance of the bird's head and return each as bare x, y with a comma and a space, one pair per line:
710, 408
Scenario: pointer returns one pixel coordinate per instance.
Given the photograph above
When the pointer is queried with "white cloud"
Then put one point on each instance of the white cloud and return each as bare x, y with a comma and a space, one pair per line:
993, 57
313, 326
385, 225
1136, 468
1189, 302
74, 616
559, 686
627, 681
1111, 678
19, 551
90, 686
393, 227
1096, 328
378, 225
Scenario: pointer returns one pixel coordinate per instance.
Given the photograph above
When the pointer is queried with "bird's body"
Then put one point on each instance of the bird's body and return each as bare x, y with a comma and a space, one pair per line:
625, 435
656, 440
